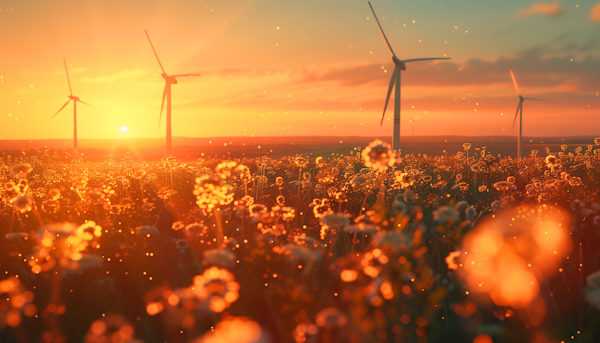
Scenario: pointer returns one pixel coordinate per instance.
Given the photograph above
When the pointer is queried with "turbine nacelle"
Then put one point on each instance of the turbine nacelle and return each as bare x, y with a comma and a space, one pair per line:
169, 79
399, 63
399, 66
76, 98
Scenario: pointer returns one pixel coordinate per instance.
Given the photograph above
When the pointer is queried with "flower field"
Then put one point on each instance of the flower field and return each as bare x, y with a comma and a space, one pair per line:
369, 246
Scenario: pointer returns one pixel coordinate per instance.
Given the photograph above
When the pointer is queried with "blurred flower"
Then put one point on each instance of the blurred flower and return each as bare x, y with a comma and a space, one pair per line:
303, 330
509, 253
301, 161
54, 194
63, 244
450, 260
178, 225
16, 302
165, 193
363, 182
112, 328
23, 204
331, 318
234, 330
379, 155
212, 191
504, 186
280, 200
225, 169
217, 287
21, 170
79, 182
403, 180
242, 172
138, 174
550, 161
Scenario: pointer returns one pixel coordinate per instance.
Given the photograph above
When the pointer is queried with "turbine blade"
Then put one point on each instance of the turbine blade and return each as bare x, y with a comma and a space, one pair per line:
535, 99
160, 64
66, 103
425, 59
380, 29
162, 105
387, 99
67, 71
515, 81
183, 75
517, 114
85, 103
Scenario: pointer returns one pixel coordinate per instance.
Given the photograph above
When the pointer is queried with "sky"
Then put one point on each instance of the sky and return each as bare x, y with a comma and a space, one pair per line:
310, 67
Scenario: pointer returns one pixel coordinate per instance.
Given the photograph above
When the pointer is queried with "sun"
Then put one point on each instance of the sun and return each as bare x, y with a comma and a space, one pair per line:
124, 129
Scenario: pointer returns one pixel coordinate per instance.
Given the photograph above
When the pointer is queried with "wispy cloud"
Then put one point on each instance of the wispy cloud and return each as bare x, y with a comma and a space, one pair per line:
247, 72
554, 10
536, 70
595, 13
125, 74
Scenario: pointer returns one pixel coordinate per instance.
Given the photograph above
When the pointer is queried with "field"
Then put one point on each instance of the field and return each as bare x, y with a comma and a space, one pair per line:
191, 148
316, 241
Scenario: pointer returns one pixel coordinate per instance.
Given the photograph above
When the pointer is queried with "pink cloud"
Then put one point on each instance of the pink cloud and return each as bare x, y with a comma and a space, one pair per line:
552, 10
533, 71
595, 13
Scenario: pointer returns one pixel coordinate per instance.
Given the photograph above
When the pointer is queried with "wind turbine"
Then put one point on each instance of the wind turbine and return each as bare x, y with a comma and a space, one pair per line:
520, 109
75, 100
169, 80
399, 66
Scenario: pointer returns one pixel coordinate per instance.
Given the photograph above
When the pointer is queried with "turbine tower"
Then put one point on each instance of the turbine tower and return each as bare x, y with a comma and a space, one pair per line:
520, 110
399, 65
169, 80
75, 100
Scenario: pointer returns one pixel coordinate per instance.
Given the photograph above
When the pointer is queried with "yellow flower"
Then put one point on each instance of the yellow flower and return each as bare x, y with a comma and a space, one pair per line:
379, 155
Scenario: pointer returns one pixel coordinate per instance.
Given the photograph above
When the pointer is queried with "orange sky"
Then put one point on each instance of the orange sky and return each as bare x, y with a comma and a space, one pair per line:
309, 67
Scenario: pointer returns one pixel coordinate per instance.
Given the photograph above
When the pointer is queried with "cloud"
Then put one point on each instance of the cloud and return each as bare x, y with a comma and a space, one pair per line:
247, 72
533, 67
354, 76
595, 13
552, 10
112, 78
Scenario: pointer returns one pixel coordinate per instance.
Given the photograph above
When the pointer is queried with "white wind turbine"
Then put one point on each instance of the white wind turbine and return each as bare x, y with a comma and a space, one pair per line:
169, 80
75, 100
399, 66
520, 110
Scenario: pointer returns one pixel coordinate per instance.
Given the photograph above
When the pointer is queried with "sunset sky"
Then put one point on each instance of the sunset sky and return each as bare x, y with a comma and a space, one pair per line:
310, 67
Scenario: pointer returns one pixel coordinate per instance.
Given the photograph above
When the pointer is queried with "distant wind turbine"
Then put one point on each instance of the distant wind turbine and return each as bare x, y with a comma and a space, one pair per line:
75, 100
520, 108
399, 66
169, 80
